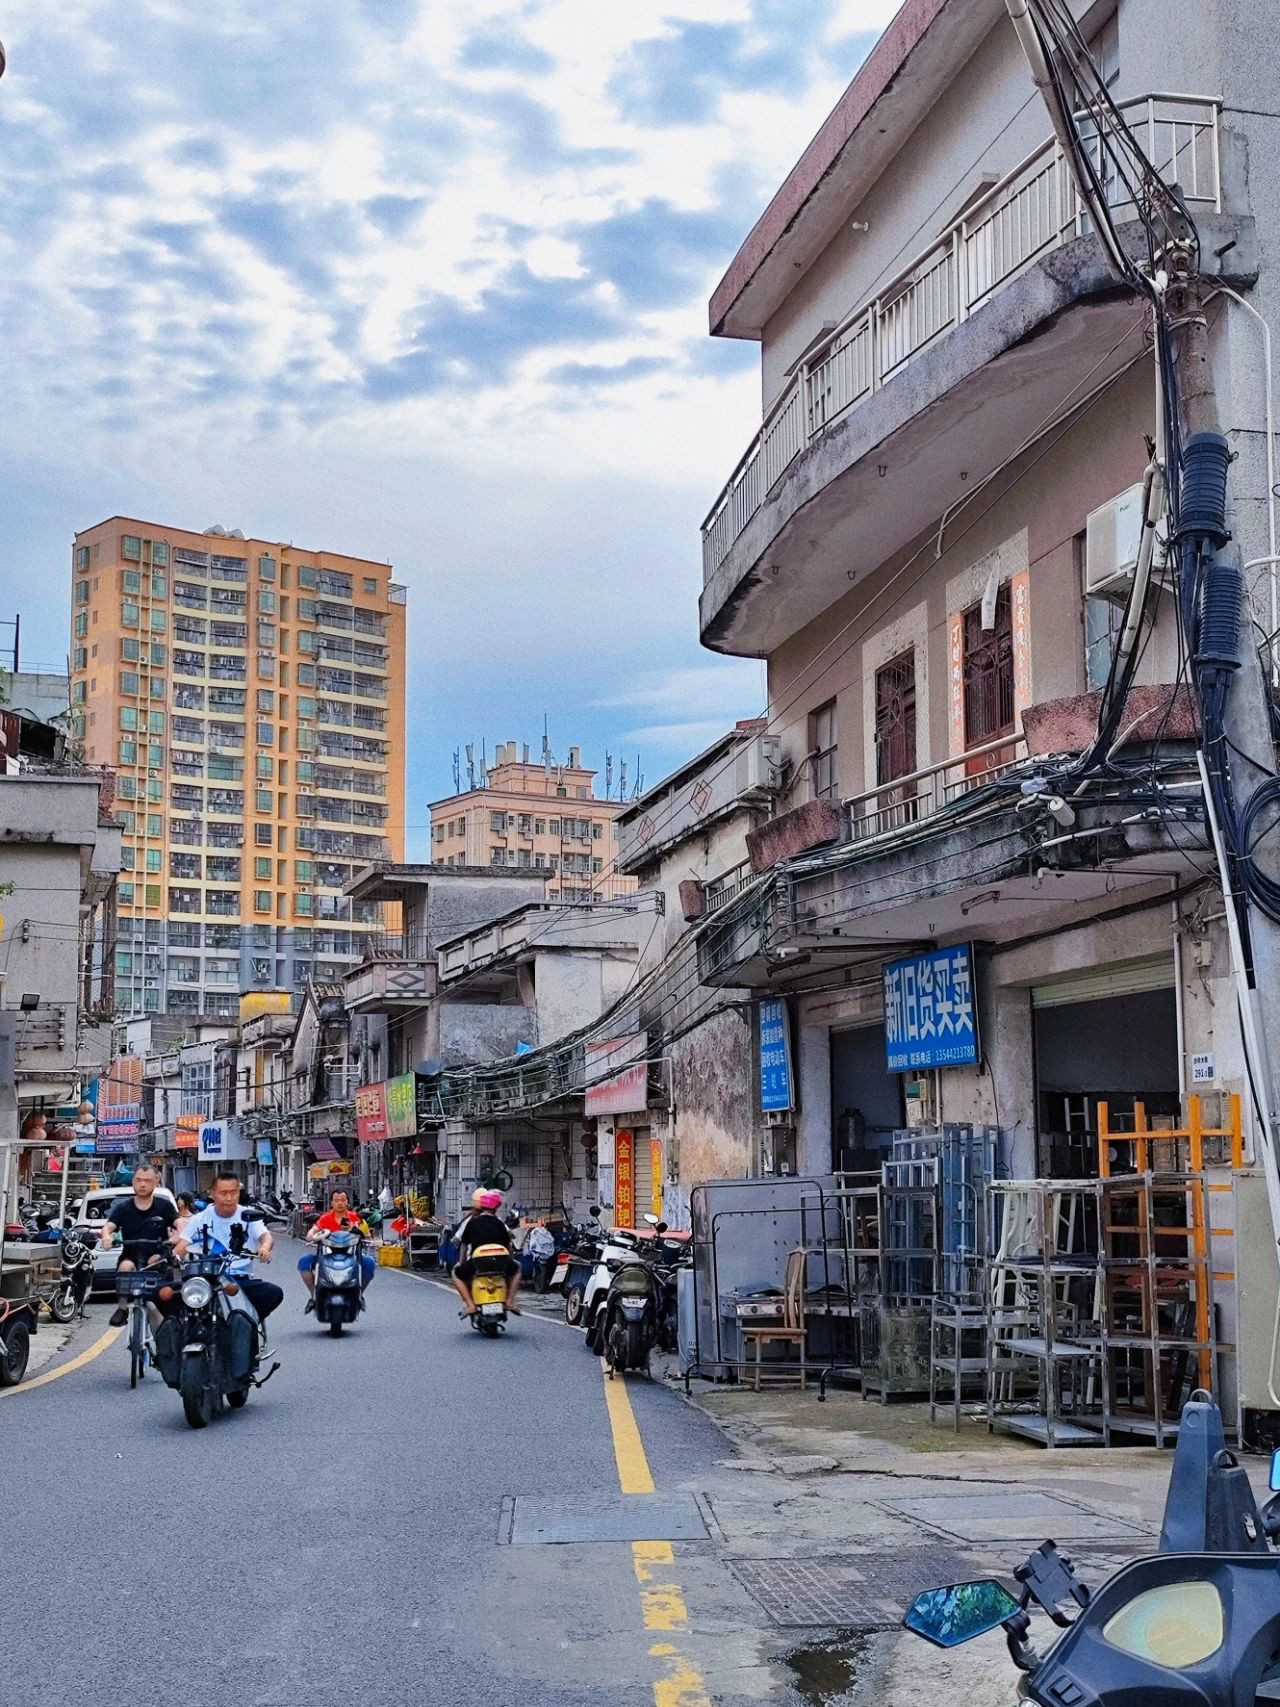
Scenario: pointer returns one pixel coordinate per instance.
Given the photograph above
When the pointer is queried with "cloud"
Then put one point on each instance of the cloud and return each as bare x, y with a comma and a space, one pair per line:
690, 706
506, 50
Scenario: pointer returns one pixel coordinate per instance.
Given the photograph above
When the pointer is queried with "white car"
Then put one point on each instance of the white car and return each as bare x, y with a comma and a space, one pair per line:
89, 1212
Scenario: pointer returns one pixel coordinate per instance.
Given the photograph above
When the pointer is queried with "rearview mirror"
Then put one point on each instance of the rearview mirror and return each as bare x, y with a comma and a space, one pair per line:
651, 1218
1273, 1481
949, 1616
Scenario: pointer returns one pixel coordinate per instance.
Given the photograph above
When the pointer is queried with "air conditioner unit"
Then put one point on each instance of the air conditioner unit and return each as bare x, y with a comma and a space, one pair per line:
1113, 535
758, 769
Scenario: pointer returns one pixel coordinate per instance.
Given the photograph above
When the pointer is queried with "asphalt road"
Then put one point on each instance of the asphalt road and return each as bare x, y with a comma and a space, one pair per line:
344, 1536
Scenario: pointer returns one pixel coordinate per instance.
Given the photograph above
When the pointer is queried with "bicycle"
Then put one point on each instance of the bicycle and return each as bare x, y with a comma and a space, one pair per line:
138, 1287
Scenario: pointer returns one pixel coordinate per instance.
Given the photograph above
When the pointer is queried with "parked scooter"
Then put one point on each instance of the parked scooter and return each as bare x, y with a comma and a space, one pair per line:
639, 1311
210, 1349
1196, 1624
489, 1290
575, 1263
76, 1278
339, 1293
621, 1246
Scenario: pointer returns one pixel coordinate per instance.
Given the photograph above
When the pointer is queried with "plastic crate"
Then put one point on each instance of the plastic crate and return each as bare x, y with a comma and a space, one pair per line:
390, 1256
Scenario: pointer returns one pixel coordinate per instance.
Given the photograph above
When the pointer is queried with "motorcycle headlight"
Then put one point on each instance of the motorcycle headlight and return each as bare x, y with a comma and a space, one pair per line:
1177, 1626
196, 1292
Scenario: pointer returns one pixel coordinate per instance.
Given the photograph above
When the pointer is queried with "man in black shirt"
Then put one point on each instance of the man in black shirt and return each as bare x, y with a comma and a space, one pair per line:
484, 1227
144, 1222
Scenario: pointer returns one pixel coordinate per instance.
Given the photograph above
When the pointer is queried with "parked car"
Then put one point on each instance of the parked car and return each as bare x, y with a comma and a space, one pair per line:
88, 1213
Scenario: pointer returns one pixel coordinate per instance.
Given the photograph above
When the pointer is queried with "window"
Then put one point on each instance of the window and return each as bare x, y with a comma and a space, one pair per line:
307, 577
498, 822
303, 870
262, 870
302, 905
153, 859
263, 799
159, 652
155, 824
267, 600
82, 625
822, 751
129, 613
82, 592
553, 826
129, 717
597, 866
159, 554
131, 548
1103, 622
129, 650
132, 581
267, 568
306, 676
497, 857
262, 835
157, 687
266, 735
155, 723
262, 900
159, 586
1104, 45
266, 764
82, 562
158, 621
151, 895
155, 790
988, 672
124, 894
597, 831
306, 705
155, 756
77, 694
266, 702
370, 583
895, 726
126, 787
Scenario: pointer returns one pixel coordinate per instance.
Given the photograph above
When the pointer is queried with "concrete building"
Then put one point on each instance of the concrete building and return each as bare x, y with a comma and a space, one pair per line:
927, 541
250, 695
536, 817
42, 695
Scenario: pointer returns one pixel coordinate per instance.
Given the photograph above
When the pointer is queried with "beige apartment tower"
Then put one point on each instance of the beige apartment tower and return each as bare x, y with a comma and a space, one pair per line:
249, 696
539, 816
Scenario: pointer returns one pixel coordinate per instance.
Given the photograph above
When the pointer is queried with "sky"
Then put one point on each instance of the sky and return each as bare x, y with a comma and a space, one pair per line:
417, 280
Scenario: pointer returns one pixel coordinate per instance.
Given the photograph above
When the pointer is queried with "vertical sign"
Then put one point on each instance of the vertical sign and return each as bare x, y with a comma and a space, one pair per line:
624, 1178
402, 1106
1020, 598
930, 1015
371, 1113
655, 1171
777, 1094
955, 679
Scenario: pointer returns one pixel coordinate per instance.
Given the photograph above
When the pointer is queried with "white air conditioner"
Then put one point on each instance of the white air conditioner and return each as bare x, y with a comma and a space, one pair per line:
758, 769
1113, 535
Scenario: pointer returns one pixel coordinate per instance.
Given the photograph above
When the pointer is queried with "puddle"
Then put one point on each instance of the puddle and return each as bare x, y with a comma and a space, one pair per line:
822, 1674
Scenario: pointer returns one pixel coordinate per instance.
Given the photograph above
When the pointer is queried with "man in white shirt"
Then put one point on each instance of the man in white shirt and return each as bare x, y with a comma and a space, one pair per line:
231, 1230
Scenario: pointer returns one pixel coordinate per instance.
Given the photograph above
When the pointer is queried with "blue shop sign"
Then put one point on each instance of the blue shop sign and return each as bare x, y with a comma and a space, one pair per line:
777, 1091
930, 1010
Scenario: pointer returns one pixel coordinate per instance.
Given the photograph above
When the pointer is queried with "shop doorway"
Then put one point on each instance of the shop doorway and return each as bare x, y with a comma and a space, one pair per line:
1120, 1049
866, 1100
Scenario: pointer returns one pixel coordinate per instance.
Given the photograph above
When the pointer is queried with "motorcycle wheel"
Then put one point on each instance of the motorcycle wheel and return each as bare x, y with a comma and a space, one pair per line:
62, 1306
573, 1306
197, 1404
489, 1328
238, 1400
634, 1346
335, 1327
15, 1349
137, 1350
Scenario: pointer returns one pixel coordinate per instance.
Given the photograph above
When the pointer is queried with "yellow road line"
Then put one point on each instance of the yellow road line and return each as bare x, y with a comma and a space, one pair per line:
683, 1686
78, 1362
628, 1448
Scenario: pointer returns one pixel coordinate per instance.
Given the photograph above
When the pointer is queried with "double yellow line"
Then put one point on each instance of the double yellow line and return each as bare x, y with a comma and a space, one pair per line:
662, 1603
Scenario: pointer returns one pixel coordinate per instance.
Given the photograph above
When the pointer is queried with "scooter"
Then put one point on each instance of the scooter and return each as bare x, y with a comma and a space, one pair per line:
210, 1349
489, 1290
622, 1246
1196, 1624
574, 1264
339, 1293
76, 1278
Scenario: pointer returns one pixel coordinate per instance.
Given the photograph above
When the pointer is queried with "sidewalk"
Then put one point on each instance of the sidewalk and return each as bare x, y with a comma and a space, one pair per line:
833, 1516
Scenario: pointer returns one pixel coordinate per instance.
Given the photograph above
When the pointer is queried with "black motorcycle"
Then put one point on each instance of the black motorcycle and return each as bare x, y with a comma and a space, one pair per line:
209, 1348
639, 1311
67, 1299
1196, 1624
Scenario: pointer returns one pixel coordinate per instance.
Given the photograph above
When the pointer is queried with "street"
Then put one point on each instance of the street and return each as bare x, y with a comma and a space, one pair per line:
346, 1534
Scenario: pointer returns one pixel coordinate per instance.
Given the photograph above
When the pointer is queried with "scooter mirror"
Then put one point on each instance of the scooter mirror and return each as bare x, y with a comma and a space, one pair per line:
1274, 1480
651, 1218
949, 1616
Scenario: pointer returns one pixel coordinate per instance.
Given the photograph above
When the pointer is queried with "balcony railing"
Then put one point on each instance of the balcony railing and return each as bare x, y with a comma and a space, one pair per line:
394, 945
907, 800
1031, 210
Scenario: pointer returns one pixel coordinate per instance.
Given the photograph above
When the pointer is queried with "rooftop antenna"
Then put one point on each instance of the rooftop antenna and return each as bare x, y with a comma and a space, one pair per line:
525, 751
608, 776
484, 763
622, 780
635, 793
457, 770
471, 765
546, 748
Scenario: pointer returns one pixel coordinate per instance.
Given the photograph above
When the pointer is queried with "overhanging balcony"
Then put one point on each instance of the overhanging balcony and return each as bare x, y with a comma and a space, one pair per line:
397, 974
946, 374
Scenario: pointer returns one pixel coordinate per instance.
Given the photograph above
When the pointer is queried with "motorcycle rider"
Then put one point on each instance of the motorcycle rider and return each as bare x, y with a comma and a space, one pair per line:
484, 1226
338, 1218
144, 1221
234, 1231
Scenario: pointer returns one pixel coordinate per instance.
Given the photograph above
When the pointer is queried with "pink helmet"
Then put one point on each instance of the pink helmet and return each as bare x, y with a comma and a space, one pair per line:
491, 1200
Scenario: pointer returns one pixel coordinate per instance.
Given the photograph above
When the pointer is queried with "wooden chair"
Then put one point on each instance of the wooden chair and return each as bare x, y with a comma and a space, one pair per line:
790, 1331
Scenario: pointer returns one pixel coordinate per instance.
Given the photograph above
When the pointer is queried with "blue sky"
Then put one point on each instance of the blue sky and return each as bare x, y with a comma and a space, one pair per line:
423, 280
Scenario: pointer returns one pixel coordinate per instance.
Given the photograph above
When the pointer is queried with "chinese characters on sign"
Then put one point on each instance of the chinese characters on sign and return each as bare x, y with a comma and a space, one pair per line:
930, 1018
617, 1075
776, 1091
371, 1113
624, 1181
402, 1106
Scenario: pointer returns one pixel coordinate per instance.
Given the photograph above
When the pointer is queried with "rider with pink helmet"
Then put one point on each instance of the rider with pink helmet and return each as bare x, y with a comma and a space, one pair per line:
484, 1226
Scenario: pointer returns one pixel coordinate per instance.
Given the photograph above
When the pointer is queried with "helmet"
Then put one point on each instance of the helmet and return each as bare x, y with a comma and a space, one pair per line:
491, 1200
478, 1196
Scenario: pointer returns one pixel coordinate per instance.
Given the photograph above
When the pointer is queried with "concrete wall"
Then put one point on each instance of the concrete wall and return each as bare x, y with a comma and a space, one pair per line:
572, 989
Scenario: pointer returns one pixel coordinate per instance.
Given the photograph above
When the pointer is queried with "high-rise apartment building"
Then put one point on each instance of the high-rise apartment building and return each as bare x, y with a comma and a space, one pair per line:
540, 816
250, 697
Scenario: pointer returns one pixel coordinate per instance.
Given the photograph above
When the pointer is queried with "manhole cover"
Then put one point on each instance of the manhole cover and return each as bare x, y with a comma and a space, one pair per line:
1025, 1515
871, 1593
630, 1517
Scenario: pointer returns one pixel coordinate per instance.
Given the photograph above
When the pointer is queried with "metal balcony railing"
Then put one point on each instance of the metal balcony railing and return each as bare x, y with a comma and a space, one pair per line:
908, 800
394, 945
1031, 210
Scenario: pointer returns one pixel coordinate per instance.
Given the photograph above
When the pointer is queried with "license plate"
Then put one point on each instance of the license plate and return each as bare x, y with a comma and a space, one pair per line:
492, 1310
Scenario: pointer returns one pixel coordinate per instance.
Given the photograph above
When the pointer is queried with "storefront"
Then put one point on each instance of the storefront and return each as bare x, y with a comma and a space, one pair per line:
866, 1100
1108, 1035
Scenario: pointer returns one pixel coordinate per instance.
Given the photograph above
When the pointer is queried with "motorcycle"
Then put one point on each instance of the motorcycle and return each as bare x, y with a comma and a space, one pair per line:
574, 1264
76, 1278
1196, 1624
339, 1280
209, 1350
619, 1247
639, 1311
489, 1289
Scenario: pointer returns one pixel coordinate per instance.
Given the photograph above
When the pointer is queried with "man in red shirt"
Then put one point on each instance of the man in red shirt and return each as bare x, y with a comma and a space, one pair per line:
338, 1218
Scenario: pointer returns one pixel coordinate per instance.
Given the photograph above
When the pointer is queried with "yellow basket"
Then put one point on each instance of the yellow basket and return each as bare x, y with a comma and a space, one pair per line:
391, 1256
